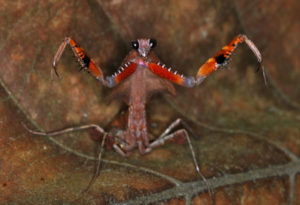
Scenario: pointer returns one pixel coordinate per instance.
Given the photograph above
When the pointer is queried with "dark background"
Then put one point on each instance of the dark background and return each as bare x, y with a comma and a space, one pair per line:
246, 134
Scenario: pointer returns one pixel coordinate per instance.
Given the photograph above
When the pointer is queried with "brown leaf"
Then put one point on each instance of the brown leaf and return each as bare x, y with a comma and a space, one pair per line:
244, 135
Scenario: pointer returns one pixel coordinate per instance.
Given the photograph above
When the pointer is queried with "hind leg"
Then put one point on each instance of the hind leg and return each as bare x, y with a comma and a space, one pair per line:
182, 133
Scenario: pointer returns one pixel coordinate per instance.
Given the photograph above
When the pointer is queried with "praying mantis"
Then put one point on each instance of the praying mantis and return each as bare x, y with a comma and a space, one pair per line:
141, 75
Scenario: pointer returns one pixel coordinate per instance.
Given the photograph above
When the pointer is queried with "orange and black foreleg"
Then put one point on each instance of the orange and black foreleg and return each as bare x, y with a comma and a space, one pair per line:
84, 61
222, 56
88, 64
220, 59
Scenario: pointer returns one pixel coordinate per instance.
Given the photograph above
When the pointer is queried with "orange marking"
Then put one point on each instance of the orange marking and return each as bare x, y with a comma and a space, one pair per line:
86, 61
126, 72
163, 72
212, 64
94, 70
207, 68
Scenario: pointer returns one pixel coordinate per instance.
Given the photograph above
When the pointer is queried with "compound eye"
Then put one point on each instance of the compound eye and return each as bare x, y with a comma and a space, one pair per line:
152, 43
135, 44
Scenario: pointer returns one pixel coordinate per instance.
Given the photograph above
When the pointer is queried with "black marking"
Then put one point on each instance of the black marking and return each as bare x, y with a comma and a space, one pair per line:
135, 44
152, 43
86, 60
220, 59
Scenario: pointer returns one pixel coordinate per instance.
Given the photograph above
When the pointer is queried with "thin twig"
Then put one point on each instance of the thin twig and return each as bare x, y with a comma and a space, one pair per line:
127, 165
196, 187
